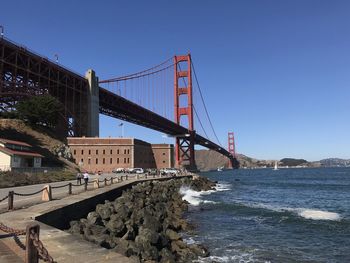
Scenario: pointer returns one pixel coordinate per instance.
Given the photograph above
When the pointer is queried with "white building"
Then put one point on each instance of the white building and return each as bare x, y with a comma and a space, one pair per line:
15, 154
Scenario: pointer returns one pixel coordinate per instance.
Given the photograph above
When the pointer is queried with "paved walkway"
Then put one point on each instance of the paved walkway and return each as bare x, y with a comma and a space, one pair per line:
7, 255
58, 193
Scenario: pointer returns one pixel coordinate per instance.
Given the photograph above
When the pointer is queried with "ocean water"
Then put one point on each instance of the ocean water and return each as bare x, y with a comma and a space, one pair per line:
289, 215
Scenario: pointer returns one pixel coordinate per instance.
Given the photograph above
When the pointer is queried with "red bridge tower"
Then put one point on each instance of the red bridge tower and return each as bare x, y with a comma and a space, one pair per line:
184, 148
233, 163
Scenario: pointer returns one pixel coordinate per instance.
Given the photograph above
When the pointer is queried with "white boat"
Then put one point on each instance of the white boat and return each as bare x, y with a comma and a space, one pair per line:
276, 166
220, 169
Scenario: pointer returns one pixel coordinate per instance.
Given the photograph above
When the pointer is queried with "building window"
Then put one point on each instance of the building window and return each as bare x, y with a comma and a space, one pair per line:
103, 161
89, 152
124, 151
128, 151
118, 151
117, 160
163, 153
110, 161
75, 152
89, 161
104, 151
82, 152
96, 160
82, 160
96, 151
124, 160
163, 161
128, 160
111, 151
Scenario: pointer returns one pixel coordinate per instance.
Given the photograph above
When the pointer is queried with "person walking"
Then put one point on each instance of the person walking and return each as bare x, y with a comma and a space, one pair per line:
86, 177
79, 176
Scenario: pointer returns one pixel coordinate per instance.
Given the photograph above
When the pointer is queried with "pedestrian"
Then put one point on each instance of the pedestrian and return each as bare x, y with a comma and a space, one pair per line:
79, 176
86, 177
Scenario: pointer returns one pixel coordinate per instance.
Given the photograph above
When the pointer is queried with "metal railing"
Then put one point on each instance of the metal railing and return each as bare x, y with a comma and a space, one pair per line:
34, 248
47, 190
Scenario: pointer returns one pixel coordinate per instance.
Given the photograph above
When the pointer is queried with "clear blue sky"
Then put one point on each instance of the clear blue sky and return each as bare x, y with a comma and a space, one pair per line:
277, 73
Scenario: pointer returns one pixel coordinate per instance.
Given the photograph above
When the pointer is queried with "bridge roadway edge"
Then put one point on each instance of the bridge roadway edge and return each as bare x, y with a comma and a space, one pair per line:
54, 216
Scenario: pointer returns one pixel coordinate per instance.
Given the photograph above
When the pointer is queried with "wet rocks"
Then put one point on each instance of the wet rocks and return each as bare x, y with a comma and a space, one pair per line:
145, 222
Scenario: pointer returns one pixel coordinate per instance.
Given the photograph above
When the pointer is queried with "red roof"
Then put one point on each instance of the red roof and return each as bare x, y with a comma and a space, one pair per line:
13, 152
14, 142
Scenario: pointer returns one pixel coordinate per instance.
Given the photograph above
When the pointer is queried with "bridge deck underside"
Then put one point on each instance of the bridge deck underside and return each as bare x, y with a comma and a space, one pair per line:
115, 106
24, 74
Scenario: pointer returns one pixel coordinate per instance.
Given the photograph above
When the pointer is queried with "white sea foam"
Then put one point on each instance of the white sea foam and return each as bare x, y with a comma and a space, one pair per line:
189, 241
194, 197
303, 212
318, 214
241, 258
190, 196
222, 187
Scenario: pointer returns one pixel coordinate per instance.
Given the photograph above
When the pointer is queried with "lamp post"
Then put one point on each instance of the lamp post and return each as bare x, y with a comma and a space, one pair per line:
2, 31
56, 57
122, 125
89, 164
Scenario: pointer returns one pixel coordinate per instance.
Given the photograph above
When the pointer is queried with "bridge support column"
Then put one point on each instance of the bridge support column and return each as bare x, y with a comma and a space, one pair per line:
93, 104
185, 152
233, 162
184, 149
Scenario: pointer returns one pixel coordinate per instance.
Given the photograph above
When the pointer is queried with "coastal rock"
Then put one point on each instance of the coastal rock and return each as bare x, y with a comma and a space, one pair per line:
104, 211
145, 222
172, 235
146, 235
166, 256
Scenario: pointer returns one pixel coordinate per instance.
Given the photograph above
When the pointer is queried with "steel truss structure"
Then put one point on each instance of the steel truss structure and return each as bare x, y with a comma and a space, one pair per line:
24, 74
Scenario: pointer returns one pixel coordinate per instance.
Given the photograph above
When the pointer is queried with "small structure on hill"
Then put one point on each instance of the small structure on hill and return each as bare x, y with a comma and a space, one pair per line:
17, 155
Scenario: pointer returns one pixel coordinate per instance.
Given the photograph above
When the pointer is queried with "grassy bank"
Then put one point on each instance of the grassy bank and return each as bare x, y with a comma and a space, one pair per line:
11, 179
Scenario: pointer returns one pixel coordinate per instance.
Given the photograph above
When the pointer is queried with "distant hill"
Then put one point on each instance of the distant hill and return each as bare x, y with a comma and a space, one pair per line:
292, 162
335, 162
207, 160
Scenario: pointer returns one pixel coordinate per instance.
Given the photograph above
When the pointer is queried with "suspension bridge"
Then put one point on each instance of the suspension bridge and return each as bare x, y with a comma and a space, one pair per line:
166, 98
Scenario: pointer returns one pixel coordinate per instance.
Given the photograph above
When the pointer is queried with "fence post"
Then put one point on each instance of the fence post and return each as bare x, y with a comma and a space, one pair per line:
10, 200
47, 193
70, 188
31, 255
96, 184
105, 181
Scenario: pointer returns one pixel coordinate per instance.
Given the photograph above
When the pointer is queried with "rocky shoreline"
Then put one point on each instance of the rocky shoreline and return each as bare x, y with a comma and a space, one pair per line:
146, 222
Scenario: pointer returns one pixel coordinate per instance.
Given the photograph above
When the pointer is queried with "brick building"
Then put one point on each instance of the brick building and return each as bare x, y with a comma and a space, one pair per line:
106, 154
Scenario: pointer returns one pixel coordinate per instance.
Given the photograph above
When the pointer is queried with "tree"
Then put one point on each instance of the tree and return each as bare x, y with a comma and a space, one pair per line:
44, 110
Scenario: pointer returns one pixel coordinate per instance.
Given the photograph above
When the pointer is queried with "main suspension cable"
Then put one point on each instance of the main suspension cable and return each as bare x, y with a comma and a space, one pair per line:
205, 107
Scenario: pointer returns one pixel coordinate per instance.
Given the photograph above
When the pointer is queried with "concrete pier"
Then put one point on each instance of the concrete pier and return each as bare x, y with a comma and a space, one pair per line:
54, 216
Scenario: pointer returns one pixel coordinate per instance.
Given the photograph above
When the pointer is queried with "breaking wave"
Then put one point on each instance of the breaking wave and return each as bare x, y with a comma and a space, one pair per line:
194, 197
